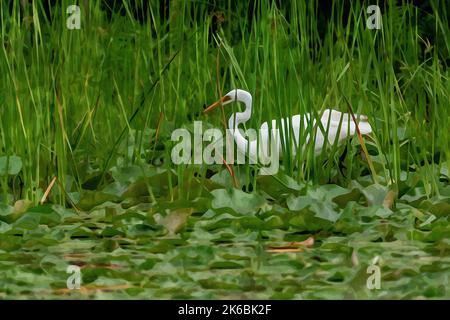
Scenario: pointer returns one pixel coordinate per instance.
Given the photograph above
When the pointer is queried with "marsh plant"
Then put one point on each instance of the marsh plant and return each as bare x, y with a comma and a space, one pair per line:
91, 93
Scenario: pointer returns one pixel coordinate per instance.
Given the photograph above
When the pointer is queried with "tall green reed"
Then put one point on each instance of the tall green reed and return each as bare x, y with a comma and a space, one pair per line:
67, 94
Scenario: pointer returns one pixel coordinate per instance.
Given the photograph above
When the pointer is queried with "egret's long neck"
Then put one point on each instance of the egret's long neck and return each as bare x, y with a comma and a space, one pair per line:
242, 117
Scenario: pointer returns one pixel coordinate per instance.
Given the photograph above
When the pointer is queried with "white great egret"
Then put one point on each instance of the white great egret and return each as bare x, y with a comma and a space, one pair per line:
338, 123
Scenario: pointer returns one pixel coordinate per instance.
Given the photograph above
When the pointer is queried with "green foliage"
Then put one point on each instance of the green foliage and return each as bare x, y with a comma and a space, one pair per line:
96, 107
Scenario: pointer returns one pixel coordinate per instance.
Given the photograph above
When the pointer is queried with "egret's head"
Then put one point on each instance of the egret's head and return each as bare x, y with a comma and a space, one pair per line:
233, 95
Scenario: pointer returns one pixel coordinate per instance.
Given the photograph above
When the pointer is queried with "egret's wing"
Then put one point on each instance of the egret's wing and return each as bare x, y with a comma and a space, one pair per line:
365, 127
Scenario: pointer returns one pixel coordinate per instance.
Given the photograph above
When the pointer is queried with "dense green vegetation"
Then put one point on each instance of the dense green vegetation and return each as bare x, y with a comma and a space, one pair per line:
96, 107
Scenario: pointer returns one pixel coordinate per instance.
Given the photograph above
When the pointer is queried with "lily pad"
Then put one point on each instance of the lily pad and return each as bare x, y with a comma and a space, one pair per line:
10, 165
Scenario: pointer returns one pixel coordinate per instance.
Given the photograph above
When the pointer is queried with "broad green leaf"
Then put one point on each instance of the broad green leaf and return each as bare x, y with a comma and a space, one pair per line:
28, 221
237, 200
320, 201
375, 194
10, 165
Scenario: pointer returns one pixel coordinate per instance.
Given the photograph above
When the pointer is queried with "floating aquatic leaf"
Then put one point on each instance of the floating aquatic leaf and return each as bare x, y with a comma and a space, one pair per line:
4, 227
320, 201
239, 201
175, 220
375, 194
28, 221
10, 165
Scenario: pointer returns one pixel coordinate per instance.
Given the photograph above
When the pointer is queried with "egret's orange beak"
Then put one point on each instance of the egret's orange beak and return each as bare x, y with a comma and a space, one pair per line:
217, 104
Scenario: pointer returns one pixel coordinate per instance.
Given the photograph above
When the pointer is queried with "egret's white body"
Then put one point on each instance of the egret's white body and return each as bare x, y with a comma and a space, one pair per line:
334, 123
